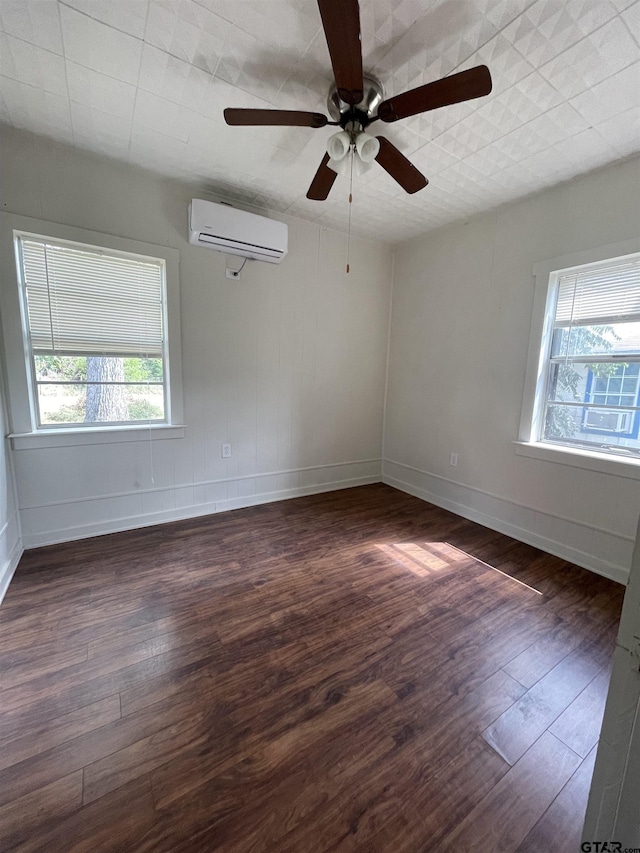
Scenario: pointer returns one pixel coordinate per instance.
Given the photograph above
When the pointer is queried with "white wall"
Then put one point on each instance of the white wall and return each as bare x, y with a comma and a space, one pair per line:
462, 307
287, 364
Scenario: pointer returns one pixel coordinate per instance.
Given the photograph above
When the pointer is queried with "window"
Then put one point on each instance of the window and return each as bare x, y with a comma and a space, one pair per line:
95, 325
589, 396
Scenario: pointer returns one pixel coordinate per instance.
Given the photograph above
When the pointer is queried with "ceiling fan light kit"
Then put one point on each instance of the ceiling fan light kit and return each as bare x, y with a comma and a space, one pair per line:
340, 166
357, 100
338, 145
367, 147
352, 144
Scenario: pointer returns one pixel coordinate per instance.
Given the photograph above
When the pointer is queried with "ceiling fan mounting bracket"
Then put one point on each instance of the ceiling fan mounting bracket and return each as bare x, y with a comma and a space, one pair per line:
364, 112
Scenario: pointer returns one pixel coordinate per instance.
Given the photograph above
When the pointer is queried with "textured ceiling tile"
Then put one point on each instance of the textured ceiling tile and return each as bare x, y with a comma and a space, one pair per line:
598, 56
432, 158
100, 47
129, 16
187, 31
521, 143
622, 131
113, 133
249, 64
442, 33
32, 65
200, 56
623, 4
37, 110
490, 160
208, 134
548, 166
35, 21
402, 136
615, 95
230, 147
305, 208
586, 147
163, 116
287, 26
148, 148
316, 58
464, 140
548, 28
559, 123
171, 78
270, 201
527, 99
484, 124
220, 94
506, 64
96, 90
631, 17
433, 124
501, 12
306, 89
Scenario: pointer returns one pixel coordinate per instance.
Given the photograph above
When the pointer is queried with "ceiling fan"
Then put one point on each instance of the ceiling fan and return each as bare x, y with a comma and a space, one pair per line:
356, 101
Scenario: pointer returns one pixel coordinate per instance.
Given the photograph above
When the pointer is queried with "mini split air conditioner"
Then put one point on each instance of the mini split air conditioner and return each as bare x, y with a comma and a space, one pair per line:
236, 232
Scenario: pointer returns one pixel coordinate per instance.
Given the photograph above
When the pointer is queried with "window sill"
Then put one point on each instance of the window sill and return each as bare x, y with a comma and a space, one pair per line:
605, 463
93, 435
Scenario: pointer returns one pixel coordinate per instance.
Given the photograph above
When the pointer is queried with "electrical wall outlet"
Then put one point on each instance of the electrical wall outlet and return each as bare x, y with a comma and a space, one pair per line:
226, 451
453, 460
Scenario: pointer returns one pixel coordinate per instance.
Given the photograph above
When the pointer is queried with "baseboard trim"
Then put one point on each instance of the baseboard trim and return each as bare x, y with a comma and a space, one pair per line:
71, 534
518, 504
8, 570
220, 481
595, 564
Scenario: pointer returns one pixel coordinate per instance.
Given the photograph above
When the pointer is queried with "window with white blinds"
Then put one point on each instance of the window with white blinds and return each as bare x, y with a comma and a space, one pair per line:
599, 295
592, 391
95, 322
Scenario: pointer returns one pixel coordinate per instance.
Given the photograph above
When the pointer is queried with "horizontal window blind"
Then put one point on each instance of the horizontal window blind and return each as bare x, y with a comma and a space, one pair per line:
609, 294
86, 302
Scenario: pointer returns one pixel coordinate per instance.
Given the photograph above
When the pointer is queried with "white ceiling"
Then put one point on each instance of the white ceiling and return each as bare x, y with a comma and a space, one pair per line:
145, 81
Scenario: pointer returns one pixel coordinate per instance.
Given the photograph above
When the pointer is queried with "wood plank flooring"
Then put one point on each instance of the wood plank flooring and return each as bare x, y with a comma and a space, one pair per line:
352, 671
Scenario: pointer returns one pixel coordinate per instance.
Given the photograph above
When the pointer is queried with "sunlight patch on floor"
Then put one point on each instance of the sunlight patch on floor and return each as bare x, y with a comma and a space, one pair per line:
493, 568
427, 558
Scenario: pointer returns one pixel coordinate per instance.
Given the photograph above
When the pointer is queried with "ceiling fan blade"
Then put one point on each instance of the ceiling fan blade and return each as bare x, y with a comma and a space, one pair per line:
464, 86
322, 182
286, 118
341, 22
401, 170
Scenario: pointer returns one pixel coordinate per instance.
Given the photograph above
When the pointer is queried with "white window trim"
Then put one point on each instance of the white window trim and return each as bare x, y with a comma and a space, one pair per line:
24, 433
536, 370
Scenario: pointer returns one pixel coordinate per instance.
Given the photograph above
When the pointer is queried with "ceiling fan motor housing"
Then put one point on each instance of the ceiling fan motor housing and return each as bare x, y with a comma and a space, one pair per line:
361, 113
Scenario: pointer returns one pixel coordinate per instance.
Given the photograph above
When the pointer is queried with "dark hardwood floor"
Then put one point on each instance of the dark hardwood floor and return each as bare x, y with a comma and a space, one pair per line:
350, 671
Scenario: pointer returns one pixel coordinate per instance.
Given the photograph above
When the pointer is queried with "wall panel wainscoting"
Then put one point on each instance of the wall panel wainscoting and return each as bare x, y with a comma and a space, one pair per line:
357, 670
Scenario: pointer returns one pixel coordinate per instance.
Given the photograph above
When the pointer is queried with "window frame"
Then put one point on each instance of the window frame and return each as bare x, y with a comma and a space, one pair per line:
26, 431
18, 236
528, 443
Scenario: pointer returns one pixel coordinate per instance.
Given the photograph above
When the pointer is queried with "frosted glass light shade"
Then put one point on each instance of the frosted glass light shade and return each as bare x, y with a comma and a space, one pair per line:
367, 147
338, 145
